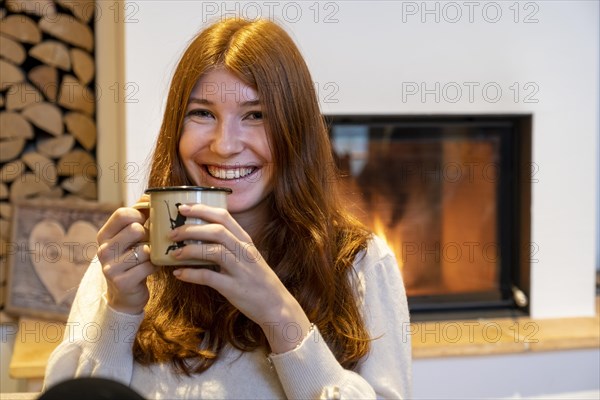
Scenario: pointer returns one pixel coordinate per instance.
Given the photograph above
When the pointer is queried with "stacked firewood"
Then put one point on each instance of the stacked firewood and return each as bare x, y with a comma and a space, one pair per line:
47, 105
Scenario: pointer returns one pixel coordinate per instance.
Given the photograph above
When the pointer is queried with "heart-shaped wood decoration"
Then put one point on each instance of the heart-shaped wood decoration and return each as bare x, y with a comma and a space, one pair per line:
60, 259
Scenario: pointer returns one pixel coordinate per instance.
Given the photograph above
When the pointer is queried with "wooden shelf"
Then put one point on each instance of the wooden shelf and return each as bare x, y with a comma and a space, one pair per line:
502, 336
35, 341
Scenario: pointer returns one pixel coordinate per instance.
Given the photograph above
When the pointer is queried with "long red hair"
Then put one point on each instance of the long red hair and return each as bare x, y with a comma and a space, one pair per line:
310, 242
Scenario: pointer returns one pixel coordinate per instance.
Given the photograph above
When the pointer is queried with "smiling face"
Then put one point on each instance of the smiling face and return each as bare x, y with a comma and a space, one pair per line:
224, 142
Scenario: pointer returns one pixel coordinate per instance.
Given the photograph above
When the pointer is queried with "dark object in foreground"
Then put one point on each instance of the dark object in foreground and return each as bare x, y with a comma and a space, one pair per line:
90, 389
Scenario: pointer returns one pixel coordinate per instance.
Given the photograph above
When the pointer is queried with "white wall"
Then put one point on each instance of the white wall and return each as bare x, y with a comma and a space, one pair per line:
369, 57
565, 374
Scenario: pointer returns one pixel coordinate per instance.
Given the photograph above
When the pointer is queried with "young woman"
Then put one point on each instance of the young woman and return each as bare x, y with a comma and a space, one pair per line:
306, 303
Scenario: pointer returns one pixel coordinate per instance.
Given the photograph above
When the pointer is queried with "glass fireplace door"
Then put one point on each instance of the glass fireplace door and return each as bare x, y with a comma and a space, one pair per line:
439, 193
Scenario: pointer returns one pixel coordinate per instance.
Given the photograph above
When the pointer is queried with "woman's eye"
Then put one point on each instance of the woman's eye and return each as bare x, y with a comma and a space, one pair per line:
255, 115
199, 113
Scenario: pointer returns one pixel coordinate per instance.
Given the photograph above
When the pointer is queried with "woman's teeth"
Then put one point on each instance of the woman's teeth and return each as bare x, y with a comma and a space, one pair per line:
229, 173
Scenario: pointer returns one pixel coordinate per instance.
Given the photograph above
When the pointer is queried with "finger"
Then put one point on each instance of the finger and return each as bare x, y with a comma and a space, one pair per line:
215, 214
211, 252
131, 235
213, 233
243, 254
130, 259
140, 272
114, 249
130, 280
121, 218
142, 205
204, 276
137, 254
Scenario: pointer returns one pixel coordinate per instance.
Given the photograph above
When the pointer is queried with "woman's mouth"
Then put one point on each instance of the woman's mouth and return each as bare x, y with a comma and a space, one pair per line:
229, 173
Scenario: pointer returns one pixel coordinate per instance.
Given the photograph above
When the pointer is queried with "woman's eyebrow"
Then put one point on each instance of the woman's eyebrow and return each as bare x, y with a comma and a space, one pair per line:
249, 103
202, 101
199, 101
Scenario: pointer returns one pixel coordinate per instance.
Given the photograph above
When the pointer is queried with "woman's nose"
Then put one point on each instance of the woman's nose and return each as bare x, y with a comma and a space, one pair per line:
226, 140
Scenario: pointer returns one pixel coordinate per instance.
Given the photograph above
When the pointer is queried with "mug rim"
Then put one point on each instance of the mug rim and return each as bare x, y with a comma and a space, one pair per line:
188, 188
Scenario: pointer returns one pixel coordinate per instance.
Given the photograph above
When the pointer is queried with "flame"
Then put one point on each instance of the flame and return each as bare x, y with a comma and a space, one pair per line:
394, 241
379, 228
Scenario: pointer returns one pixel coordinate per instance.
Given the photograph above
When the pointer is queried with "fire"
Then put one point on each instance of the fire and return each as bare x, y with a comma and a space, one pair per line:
390, 236
379, 228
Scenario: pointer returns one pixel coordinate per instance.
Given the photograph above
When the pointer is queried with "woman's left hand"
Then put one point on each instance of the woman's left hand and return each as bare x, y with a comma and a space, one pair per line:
245, 278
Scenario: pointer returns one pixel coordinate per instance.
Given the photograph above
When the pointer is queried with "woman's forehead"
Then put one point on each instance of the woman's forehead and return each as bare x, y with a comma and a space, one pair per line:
222, 84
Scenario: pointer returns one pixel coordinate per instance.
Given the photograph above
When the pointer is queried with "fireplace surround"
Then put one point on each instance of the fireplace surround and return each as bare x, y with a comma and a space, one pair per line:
451, 195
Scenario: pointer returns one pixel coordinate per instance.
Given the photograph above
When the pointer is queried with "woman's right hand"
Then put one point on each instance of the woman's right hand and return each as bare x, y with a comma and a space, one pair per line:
119, 241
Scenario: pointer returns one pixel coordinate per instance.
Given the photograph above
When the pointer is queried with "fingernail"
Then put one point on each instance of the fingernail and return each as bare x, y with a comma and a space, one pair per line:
184, 208
177, 253
177, 272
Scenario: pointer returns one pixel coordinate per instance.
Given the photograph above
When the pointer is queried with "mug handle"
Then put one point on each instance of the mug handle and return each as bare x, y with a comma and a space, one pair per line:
142, 205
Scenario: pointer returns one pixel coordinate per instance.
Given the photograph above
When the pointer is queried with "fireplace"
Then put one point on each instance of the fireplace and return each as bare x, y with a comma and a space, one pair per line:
451, 196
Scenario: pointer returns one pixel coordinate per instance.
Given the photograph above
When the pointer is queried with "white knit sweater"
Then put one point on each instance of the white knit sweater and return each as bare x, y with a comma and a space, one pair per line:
98, 342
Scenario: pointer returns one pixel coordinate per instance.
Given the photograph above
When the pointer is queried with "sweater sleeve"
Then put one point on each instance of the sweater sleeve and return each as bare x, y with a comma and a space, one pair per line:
311, 369
98, 340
